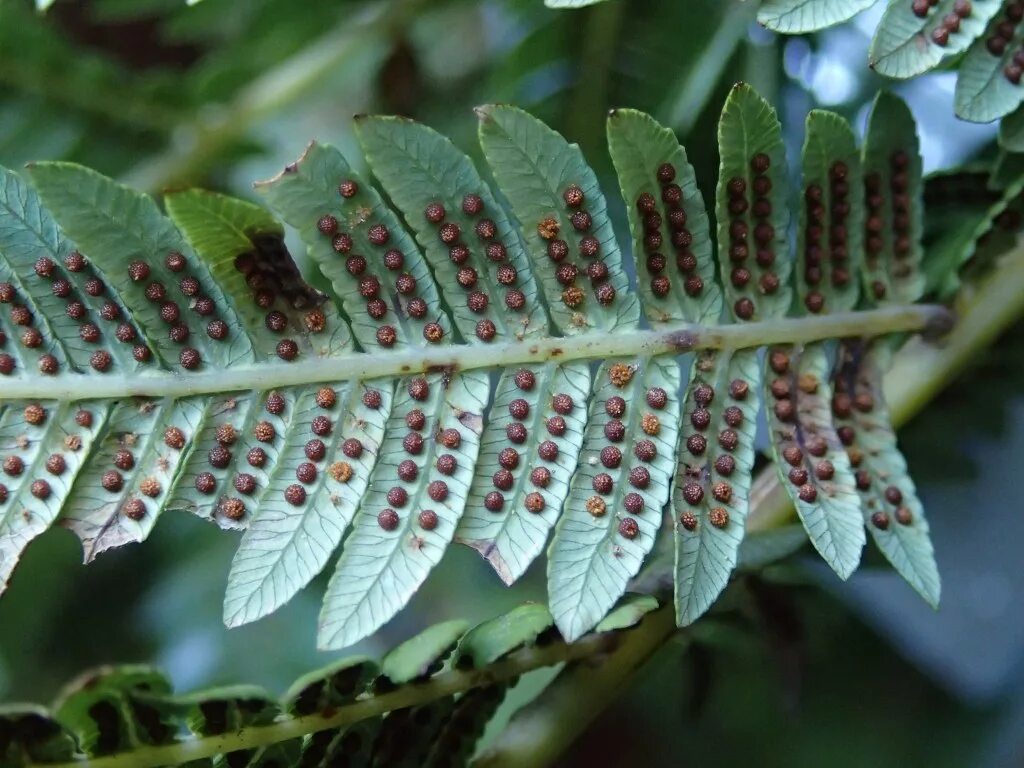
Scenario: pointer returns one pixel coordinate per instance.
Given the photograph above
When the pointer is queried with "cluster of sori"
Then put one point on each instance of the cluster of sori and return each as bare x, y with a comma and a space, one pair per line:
682, 239
277, 287
588, 247
379, 236
509, 459
1003, 34
449, 232
950, 23
748, 214
701, 397
611, 455
82, 293
875, 222
839, 257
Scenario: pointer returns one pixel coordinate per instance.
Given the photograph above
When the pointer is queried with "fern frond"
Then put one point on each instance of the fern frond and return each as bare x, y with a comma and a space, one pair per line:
153, 363
427, 701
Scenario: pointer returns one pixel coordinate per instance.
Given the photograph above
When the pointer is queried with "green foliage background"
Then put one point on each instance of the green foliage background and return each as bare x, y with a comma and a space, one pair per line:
795, 671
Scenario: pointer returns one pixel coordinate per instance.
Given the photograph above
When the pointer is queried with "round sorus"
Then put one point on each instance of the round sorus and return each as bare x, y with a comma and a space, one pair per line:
596, 506
494, 501
295, 494
48, 365
217, 330
419, 389
234, 509
540, 477
55, 464
722, 492
519, 409
725, 465
415, 419
880, 520
321, 425
372, 398
13, 466
558, 250
434, 213
634, 503
397, 496
226, 434
287, 349
112, 480
808, 494
150, 487
611, 457
904, 516
718, 517
40, 489
123, 459
264, 431
315, 450
306, 473
275, 403
446, 464
100, 360
427, 519
438, 490
387, 519
407, 471
534, 502
503, 480
205, 483
449, 233
573, 196
256, 457
472, 205
508, 458
134, 509
629, 528
352, 448
696, 444
326, 397
34, 414
173, 436
615, 430
728, 439
485, 330
602, 483
615, 406
639, 477
548, 450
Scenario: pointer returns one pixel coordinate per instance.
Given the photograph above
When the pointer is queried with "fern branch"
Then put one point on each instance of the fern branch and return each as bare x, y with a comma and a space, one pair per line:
625, 649
683, 337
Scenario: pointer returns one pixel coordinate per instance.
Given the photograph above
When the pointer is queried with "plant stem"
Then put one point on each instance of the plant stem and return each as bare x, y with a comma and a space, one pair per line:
591, 346
616, 650
921, 370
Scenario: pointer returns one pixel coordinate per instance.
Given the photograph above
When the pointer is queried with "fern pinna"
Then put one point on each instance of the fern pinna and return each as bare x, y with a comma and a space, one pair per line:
154, 361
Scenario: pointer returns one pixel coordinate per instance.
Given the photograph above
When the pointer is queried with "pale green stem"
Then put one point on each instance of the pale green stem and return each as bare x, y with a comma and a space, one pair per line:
683, 337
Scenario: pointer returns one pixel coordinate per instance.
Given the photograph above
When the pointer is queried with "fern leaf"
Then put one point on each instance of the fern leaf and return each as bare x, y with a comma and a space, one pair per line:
906, 44
666, 215
396, 540
983, 93
519, 488
33, 737
117, 228
286, 545
225, 233
809, 457
830, 237
31, 242
618, 492
893, 217
109, 709
891, 508
492, 640
795, 17
712, 484
131, 472
556, 197
752, 207
421, 655
364, 277
422, 169
27, 512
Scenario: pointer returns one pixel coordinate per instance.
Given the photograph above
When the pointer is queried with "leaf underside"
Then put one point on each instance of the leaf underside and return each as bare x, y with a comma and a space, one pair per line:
102, 291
